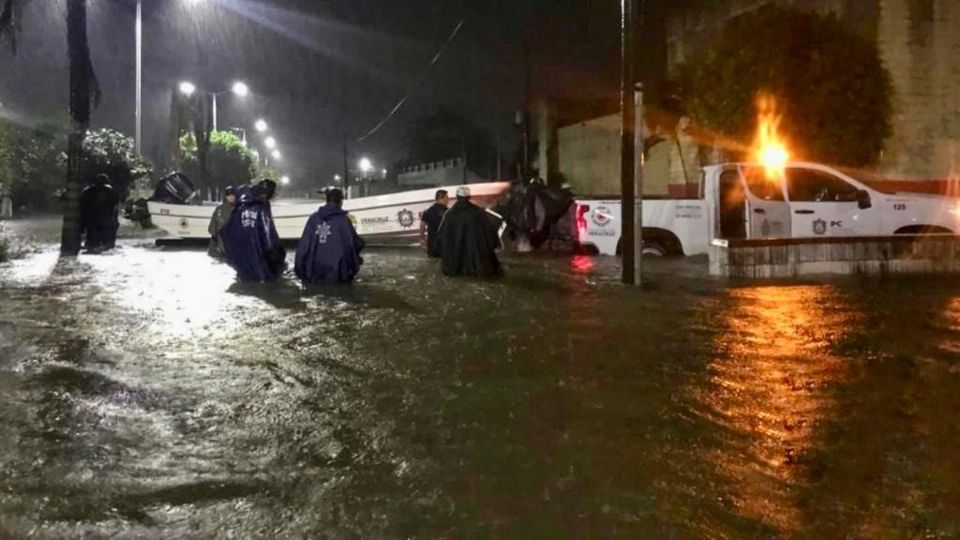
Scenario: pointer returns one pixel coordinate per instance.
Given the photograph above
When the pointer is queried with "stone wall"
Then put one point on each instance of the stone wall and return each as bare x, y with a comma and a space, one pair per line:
588, 155
797, 257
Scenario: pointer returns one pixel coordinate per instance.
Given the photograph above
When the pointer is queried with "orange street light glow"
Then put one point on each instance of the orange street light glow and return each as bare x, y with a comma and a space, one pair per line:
770, 149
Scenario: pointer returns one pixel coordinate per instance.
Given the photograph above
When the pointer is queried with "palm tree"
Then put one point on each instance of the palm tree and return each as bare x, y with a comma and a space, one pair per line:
84, 94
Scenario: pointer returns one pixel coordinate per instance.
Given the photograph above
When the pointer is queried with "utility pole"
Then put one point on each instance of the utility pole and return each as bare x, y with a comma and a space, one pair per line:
638, 184
138, 128
627, 141
346, 171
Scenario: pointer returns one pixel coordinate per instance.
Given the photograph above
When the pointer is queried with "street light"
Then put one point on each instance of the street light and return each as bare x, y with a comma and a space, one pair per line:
240, 89
276, 154
365, 165
270, 142
285, 180
261, 125
187, 88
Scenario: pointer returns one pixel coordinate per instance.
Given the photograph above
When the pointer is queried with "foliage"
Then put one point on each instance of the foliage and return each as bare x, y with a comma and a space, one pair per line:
4, 250
830, 84
31, 168
33, 164
229, 162
110, 152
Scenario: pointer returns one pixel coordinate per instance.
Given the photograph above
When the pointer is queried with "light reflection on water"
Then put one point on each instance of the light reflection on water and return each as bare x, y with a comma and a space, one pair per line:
769, 389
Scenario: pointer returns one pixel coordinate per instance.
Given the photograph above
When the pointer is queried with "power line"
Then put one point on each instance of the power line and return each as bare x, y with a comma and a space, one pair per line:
426, 74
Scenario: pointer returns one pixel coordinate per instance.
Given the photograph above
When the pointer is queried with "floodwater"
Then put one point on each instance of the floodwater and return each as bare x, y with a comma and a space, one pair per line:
144, 394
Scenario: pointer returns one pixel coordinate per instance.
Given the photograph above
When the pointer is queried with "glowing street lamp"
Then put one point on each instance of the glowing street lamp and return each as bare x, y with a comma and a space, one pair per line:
276, 154
261, 125
240, 89
365, 165
285, 180
187, 88
270, 142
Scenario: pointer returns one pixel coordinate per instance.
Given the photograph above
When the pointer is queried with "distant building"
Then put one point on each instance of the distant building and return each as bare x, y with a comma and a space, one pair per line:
918, 41
441, 173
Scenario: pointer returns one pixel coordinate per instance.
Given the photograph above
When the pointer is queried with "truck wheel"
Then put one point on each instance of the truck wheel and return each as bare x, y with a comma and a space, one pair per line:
651, 248
654, 249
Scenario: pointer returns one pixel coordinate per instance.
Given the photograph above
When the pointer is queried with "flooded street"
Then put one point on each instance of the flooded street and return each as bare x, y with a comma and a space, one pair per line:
145, 394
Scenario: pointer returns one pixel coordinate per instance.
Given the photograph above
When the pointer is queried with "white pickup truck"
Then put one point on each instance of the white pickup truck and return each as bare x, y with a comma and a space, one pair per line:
738, 200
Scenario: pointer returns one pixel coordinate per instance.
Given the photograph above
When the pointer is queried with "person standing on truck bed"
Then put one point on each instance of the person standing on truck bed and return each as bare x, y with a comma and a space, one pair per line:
430, 223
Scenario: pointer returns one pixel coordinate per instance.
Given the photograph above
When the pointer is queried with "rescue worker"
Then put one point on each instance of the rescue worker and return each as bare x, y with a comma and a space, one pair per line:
278, 255
99, 221
220, 218
468, 240
430, 223
249, 237
329, 249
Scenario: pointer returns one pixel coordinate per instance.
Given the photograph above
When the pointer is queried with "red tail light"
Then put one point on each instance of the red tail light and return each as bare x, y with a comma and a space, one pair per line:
582, 210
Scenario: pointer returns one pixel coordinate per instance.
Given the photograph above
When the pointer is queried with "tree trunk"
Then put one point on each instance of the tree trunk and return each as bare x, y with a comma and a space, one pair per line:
81, 87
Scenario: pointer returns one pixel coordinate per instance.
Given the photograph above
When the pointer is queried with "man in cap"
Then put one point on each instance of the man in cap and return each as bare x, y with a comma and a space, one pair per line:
468, 240
220, 218
99, 219
329, 249
250, 237
430, 223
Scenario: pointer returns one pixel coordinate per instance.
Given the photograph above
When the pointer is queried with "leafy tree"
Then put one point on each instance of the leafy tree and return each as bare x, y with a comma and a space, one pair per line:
229, 162
829, 84
31, 167
113, 153
84, 94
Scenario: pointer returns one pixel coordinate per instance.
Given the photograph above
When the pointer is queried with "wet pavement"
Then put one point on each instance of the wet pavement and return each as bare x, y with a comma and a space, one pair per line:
144, 394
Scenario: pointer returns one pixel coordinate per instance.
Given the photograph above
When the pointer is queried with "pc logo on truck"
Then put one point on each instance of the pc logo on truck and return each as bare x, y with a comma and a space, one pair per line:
601, 216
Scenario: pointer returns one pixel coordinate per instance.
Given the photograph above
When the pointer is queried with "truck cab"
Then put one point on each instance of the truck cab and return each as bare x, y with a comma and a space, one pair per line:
813, 200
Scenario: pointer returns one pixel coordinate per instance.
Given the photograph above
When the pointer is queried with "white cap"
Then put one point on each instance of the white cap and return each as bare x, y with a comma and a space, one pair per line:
463, 191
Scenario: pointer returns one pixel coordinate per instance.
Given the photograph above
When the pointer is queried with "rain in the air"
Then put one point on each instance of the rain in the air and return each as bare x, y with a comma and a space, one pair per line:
493, 269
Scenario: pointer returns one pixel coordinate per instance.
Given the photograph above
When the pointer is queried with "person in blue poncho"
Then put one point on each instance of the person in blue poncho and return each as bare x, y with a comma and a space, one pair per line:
329, 250
249, 237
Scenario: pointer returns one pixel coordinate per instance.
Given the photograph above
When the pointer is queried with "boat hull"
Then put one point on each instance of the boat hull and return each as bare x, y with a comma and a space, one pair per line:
396, 215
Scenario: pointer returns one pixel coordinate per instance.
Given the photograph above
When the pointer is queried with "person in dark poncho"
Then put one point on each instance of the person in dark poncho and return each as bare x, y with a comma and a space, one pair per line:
468, 240
250, 236
99, 207
220, 218
430, 223
278, 255
329, 250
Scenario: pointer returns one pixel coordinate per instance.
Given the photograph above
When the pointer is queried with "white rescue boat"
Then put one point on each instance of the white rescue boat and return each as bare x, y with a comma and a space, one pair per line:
396, 215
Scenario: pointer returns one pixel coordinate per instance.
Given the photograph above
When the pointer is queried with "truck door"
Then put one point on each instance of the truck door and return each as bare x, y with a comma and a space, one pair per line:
768, 213
823, 204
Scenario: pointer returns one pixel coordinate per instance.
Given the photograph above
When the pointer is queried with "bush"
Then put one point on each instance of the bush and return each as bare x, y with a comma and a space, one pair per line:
110, 152
31, 169
829, 83
229, 161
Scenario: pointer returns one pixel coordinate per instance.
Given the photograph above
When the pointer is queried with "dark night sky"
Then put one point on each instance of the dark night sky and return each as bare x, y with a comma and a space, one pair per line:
318, 69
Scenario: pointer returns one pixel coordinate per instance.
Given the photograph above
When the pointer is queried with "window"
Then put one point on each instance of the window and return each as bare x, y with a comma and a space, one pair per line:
807, 185
760, 186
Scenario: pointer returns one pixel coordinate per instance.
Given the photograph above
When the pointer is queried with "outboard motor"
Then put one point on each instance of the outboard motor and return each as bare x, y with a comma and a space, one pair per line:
175, 188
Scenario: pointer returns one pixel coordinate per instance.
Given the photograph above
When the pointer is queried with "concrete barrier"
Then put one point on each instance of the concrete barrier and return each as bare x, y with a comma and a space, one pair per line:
794, 257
